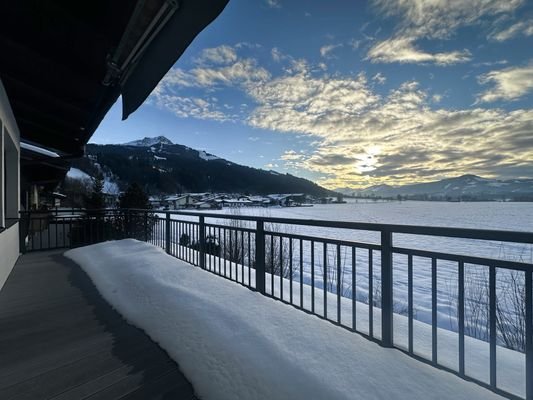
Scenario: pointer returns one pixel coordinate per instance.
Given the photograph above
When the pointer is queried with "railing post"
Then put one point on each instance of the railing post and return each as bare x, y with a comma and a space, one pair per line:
386, 289
260, 257
201, 228
167, 233
128, 223
529, 334
24, 223
146, 226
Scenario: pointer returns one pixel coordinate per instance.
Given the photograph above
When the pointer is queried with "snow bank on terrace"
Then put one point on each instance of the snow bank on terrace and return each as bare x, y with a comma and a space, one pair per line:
233, 343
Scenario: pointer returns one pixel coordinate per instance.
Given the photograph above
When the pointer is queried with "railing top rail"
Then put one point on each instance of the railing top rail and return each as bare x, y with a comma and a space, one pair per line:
451, 232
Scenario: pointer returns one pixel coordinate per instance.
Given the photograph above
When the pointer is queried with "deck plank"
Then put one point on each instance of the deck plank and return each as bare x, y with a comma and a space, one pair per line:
60, 340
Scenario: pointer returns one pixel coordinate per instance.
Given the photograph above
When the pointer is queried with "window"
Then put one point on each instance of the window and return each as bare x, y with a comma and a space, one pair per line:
9, 188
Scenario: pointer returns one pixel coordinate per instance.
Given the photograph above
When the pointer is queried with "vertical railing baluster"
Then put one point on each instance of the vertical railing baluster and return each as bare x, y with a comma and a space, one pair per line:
461, 315
69, 232
354, 293
179, 240
64, 237
338, 283
249, 261
230, 252
325, 279
221, 253
370, 293
272, 256
386, 289
529, 333
225, 253
56, 226
290, 269
434, 310
312, 276
260, 257
281, 266
191, 242
410, 300
492, 325
301, 274
167, 232
146, 226
242, 257
201, 229
48, 220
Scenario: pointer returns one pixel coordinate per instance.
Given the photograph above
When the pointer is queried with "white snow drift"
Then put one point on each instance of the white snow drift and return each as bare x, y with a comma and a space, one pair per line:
233, 343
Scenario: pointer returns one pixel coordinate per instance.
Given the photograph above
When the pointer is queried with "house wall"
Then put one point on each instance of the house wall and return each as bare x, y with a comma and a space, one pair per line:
9, 250
9, 187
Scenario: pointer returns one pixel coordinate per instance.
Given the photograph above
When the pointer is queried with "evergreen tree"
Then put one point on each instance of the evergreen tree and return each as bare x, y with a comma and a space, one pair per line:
134, 197
137, 225
96, 200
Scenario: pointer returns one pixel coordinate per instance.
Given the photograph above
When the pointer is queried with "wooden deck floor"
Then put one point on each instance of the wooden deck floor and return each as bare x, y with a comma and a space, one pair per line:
60, 340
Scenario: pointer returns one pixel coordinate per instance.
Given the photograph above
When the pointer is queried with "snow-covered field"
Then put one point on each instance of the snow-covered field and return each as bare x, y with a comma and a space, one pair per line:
234, 343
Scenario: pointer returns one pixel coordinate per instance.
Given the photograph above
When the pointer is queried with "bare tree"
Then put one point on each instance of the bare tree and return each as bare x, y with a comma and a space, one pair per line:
511, 310
476, 291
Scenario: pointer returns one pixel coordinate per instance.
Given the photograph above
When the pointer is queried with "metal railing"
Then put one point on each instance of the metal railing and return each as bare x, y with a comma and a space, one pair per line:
334, 271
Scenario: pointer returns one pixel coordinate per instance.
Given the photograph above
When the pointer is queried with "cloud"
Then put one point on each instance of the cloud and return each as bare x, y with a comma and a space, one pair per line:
192, 107
379, 78
507, 84
273, 3
491, 63
327, 49
436, 98
291, 155
432, 20
279, 56
359, 136
217, 66
244, 70
403, 50
355, 43
362, 138
439, 19
524, 28
218, 55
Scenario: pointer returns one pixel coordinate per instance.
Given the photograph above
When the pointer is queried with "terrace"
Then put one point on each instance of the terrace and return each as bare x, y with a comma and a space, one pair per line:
307, 265
61, 340
321, 309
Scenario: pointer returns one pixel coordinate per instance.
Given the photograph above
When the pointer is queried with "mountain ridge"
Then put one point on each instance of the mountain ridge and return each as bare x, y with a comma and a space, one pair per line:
148, 141
464, 187
162, 166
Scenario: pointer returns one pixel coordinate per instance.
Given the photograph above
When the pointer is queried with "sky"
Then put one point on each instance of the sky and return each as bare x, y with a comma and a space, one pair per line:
353, 93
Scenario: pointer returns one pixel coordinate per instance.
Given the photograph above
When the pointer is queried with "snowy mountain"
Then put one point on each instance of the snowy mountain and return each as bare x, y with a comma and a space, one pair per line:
465, 187
110, 186
148, 142
164, 167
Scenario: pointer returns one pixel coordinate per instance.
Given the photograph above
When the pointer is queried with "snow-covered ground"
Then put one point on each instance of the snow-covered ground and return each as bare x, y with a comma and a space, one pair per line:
234, 343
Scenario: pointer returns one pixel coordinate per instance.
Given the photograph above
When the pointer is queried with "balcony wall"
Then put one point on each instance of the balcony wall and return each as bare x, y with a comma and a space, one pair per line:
9, 187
